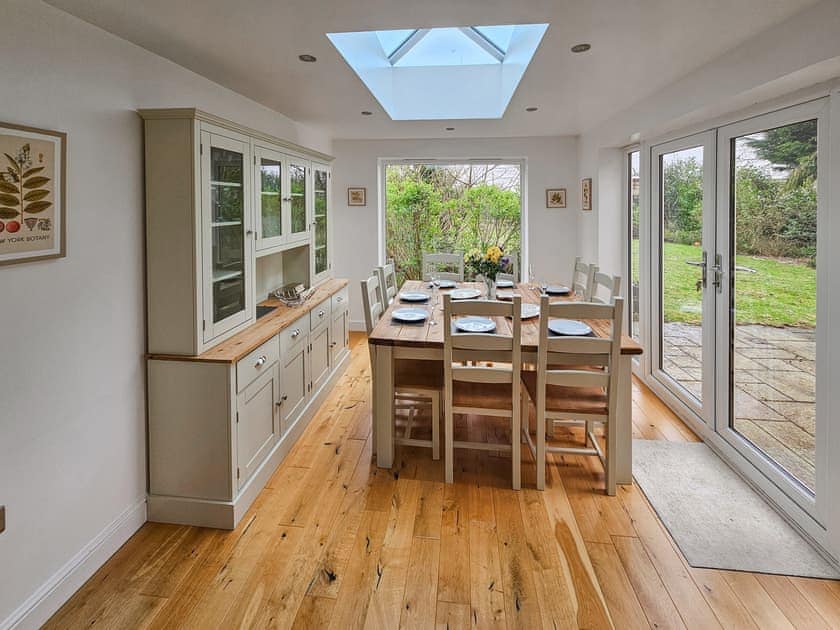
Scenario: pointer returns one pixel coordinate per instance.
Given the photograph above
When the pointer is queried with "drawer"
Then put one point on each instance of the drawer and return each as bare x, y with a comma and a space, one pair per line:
319, 315
256, 363
340, 302
294, 335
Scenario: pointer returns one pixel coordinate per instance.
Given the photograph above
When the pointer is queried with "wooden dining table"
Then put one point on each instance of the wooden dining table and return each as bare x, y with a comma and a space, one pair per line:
391, 340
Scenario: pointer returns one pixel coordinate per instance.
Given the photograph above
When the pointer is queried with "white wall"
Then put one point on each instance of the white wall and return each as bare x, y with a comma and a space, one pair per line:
72, 418
551, 163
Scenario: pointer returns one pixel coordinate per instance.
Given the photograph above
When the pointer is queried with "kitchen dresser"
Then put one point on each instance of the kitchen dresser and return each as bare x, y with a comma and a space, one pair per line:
234, 374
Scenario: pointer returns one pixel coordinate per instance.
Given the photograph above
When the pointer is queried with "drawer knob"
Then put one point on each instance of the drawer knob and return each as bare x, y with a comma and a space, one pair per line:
333, 344
284, 398
339, 299
261, 361
321, 313
295, 333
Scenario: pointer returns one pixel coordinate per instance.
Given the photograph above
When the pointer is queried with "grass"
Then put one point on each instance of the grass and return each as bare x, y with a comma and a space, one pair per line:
780, 293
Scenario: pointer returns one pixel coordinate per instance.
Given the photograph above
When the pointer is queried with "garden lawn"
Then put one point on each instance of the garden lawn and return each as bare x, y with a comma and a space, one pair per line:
780, 293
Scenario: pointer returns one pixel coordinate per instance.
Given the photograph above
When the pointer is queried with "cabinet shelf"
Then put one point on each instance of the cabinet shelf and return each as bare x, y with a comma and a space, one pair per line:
225, 223
226, 184
218, 276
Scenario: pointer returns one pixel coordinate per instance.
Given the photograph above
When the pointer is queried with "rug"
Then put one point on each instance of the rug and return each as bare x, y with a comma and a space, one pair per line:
717, 520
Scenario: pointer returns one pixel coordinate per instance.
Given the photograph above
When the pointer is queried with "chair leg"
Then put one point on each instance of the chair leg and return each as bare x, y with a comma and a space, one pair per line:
541, 448
609, 429
448, 438
435, 425
516, 445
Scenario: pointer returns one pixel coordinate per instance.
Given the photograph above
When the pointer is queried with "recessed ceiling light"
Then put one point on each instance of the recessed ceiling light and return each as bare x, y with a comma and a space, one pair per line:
308, 58
450, 129
367, 113
579, 48
531, 109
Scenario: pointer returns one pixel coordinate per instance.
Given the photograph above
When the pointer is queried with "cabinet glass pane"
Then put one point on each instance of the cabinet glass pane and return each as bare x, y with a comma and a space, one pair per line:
297, 183
270, 194
320, 189
228, 234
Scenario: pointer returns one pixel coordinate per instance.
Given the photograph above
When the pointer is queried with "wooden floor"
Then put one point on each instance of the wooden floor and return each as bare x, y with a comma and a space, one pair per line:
335, 542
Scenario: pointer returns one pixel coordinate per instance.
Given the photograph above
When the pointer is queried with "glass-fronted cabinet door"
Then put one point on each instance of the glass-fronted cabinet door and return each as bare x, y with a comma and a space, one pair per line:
270, 188
297, 200
226, 238
320, 221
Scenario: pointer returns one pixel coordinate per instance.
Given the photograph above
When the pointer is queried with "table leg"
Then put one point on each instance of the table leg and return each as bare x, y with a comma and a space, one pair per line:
624, 423
383, 405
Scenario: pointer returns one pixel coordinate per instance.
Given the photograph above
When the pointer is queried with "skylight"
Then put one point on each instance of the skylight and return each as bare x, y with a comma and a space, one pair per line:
442, 73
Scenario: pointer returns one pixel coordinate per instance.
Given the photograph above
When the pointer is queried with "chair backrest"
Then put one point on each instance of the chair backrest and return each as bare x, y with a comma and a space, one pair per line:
568, 361
431, 263
513, 276
464, 353
388, 280
605, 288
582, 278
373, 302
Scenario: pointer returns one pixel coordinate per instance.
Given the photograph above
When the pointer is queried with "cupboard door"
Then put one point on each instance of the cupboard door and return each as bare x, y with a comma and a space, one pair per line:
293, 395
257, 422
227, 251
340, 336
298, 200
270, 189
319, 357
320, 223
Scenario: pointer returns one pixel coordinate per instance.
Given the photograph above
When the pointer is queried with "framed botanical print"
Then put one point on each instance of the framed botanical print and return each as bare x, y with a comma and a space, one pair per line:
586, 193
356, 196
555, 198
33, 172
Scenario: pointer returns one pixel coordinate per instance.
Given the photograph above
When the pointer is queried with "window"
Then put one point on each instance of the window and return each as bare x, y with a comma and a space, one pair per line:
633, 265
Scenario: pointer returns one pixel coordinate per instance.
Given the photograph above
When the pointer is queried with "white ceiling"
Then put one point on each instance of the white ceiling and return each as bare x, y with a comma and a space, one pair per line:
251, 46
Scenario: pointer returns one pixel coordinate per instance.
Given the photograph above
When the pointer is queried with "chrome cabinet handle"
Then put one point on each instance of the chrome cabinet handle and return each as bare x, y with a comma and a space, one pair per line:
280, 402
321, 313
339, 299
295, 333
261, 361
333, 344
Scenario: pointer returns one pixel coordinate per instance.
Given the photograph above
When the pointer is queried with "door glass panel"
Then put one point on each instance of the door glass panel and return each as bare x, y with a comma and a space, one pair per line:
228, 233
681, 202
270, 195
320, 189
633, 231
297, 184
774, 294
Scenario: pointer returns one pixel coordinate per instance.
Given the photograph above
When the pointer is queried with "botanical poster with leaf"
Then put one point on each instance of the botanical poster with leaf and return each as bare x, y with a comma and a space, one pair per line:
30, 212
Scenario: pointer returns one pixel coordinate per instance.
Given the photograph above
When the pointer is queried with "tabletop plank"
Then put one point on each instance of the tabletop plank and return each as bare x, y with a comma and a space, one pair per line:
388, 332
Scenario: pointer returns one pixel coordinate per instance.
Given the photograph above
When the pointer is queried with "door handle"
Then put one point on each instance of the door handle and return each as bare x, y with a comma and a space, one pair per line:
717, 271
703, 264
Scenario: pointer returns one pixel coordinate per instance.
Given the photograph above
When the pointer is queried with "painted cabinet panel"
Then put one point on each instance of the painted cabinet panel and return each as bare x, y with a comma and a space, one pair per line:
293, 396
319, 356
257, 422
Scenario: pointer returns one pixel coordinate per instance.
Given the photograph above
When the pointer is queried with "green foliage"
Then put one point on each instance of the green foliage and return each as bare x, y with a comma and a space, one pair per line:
790, 148
683, 201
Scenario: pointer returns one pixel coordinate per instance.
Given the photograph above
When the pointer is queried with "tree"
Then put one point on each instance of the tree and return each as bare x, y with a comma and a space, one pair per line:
683, 201
792, 148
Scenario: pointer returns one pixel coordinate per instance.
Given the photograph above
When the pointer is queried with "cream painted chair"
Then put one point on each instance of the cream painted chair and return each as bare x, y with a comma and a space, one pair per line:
388, 280
417, 384
582, 279
431, 264
513, 276
605, 288
576, 381
471, 386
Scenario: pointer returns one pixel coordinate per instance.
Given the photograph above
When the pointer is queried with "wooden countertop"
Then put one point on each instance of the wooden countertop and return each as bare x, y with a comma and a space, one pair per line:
388, 332
234, 348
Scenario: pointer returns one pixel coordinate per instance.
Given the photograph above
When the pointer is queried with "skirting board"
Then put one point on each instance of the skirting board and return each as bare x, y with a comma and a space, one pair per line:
357, 326
227, 514
51, 595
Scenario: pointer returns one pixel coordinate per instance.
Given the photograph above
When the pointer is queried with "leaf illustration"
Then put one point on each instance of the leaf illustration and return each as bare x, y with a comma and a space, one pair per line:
12, 174
9, 200
6, 187
8, 213
35, 195
34, 182
14, 163
32, 171
37, 206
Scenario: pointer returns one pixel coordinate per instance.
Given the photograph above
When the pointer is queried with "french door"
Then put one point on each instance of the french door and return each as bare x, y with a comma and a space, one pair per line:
738, 331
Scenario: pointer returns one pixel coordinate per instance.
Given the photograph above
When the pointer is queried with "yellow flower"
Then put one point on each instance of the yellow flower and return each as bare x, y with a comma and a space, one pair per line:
494, 253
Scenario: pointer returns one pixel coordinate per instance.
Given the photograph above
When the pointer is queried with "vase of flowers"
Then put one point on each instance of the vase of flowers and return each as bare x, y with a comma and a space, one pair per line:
487, 264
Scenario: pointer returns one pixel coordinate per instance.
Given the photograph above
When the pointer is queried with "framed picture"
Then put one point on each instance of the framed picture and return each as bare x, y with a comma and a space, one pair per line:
555, 198
33, 171
586, 193
357, 196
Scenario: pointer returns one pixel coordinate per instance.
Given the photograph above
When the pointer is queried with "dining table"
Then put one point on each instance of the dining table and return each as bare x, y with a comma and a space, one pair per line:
392, 340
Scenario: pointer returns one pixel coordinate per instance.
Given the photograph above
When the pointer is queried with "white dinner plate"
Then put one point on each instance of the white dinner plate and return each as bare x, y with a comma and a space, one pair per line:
570, 327
446, 284
504, 284
409, 315
411, 296
504, 295
530, 310
557, 289
465, 294
475, 325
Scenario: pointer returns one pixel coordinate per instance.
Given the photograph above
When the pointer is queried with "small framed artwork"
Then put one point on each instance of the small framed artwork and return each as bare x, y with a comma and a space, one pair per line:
586, 193
357, 196
33, 168
555, 198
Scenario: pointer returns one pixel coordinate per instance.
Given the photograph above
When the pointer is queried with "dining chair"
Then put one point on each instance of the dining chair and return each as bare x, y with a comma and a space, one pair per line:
513, 276
605, 288
388, 280
576, 381
471, 386
431, 264
417, 383
582, 278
